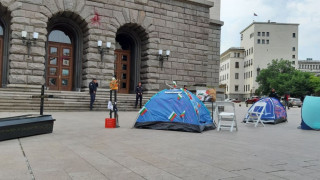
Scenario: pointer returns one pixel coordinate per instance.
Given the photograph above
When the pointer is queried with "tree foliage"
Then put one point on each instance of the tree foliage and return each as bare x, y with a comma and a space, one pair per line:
281, 76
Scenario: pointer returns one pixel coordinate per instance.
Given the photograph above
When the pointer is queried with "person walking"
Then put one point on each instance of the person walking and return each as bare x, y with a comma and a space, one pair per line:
139, 92
93, 85
274, 94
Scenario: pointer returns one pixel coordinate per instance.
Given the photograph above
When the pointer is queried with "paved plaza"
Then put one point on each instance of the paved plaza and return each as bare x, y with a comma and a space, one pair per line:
81, 148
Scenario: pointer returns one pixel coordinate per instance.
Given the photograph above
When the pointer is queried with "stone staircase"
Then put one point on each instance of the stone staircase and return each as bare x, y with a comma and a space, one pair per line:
24, 99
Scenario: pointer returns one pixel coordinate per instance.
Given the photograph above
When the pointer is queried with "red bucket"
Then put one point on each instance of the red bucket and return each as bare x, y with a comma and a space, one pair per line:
110, 123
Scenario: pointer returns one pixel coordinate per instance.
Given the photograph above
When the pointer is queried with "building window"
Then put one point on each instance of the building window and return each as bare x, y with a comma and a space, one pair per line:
241, 37
244, 87
251, 73
238, 55
237, 64
251, 35
263, 33
259, 33
244, 75
258, 41
293, 35
263, 41
293, 56
268, 34
293, 62
236, 88
252, 50
267, 41
293, 48
236, 76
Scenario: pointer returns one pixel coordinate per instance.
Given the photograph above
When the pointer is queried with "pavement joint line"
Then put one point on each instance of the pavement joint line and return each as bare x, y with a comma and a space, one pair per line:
163, 169
27, 161
280, 170
122, 165
235, 170
87, 162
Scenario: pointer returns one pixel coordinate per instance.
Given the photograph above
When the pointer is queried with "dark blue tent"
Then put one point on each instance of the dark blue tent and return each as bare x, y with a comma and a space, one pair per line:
309, 113
274, 112
175, 109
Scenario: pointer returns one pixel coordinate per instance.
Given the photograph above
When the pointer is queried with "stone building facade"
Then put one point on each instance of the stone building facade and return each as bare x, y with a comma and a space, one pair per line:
66, 56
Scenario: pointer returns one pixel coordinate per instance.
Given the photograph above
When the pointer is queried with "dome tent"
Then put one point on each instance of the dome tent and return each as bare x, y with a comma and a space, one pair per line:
274, 111
309, 113
175, 109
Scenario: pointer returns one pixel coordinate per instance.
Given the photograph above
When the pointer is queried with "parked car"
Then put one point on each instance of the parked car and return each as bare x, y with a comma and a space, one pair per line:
252, 100
232, 100
295, 102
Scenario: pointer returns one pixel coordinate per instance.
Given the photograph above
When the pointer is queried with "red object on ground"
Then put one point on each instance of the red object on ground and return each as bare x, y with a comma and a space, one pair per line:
110, 123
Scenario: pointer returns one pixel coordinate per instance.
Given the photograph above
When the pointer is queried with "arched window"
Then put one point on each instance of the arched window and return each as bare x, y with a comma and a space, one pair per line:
59, 36
1, 30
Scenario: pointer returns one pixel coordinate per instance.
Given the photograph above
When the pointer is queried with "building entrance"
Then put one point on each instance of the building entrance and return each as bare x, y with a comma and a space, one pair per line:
122, 69
1, 54
60, 66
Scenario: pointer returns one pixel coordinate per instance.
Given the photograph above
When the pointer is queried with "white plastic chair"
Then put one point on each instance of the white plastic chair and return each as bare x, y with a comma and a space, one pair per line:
255, 113
226, 115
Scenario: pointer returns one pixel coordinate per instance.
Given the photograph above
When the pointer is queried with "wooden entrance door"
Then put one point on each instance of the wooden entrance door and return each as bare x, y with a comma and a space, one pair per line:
1, 53
60, 66
122, 69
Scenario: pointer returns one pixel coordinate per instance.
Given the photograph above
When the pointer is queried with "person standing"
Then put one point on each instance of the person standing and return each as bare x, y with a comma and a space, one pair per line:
286, 100
93, 85
274, 94
139, 92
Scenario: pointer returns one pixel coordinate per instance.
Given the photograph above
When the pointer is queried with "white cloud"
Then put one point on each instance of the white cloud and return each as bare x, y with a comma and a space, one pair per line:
238, 14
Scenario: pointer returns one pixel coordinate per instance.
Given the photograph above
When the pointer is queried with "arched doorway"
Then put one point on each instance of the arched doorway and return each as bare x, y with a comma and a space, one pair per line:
60, 61
1, 53
5, 19
130, 40
64, 53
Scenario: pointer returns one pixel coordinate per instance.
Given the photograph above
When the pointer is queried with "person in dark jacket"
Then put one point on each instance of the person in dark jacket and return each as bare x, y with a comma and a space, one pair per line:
139, 92
93, 85
274, 94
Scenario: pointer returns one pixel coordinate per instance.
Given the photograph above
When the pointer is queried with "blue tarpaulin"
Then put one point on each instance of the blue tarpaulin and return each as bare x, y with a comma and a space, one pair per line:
175, 109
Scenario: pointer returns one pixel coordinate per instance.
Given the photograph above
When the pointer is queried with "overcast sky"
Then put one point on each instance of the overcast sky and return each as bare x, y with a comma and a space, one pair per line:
238, 14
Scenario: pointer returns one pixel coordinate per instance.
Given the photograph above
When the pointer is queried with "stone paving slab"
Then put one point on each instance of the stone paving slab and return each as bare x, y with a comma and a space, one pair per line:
81, 148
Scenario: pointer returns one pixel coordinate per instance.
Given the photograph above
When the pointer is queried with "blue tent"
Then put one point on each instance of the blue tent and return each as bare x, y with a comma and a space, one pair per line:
175, 109
309, 113
274, 112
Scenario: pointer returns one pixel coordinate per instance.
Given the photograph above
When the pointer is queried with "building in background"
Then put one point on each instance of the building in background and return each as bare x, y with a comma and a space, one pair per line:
309, 65
66, 56
231, 72
262, 42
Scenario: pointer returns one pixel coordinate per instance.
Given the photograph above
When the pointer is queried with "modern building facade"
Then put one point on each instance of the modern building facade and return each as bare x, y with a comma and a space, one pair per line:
309, 65
262, 42
59, 45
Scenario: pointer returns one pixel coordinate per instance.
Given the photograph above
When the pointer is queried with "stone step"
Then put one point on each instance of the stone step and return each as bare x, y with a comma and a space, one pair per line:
20, 99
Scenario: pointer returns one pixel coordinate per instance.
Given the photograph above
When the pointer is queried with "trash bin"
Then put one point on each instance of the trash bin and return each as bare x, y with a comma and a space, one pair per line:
110, 123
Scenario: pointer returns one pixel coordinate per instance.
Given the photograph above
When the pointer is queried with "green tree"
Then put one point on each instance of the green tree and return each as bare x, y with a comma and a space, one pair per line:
286, 79
315, 84
277, 75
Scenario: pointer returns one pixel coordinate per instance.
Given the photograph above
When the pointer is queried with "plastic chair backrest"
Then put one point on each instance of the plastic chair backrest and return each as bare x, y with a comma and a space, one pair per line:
258, 107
